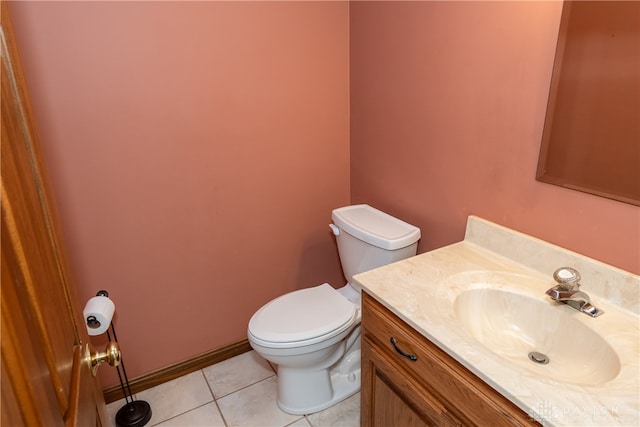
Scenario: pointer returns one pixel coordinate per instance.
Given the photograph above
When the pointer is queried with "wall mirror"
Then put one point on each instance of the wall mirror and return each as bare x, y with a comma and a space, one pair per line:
591, 137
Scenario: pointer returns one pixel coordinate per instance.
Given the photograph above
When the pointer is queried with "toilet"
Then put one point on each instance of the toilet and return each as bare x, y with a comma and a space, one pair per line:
313, 334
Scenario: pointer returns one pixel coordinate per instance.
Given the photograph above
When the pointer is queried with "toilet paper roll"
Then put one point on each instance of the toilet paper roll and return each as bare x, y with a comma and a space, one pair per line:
98, 313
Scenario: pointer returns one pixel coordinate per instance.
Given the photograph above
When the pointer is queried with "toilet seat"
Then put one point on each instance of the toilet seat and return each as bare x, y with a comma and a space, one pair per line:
302, 317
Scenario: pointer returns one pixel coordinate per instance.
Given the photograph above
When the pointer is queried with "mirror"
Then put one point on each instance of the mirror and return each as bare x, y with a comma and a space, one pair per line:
591, 137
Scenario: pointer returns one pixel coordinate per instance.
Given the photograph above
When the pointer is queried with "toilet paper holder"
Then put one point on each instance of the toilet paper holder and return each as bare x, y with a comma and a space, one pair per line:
135, 413
93, 322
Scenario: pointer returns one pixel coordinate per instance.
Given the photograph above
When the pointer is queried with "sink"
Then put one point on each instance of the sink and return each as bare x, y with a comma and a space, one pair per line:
544, 338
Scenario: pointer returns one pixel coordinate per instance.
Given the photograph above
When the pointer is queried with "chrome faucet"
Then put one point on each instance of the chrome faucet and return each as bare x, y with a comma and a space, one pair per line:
567, 291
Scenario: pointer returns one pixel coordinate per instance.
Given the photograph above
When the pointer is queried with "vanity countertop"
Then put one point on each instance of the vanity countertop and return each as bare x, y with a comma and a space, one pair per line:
420, 291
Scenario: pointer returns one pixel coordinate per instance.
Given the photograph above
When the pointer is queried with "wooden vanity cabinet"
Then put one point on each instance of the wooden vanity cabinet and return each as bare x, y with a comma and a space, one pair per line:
433, 390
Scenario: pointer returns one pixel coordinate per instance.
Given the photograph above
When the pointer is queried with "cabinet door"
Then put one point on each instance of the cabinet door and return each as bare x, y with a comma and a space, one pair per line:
390, 397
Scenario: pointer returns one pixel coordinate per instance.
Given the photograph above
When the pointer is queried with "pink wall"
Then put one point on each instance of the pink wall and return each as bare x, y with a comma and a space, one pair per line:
447, 108
197, 149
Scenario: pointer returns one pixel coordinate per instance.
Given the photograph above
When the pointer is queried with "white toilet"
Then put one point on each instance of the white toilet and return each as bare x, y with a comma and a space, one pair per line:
313, 334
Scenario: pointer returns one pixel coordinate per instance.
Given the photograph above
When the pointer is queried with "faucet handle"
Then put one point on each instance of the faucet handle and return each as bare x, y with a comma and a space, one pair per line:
567, 278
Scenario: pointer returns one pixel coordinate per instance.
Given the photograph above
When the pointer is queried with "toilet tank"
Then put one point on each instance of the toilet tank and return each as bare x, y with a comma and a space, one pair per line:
368, 238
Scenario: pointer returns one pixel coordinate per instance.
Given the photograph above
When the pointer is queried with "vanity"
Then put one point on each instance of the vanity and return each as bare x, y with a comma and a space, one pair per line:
466, 335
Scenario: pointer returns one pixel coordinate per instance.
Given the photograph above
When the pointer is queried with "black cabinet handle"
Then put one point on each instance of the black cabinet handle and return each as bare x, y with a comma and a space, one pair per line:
411, 357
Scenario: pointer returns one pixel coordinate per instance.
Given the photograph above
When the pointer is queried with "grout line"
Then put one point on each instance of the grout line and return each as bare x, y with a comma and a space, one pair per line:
224, 419
242, 388
215, 400
304, 417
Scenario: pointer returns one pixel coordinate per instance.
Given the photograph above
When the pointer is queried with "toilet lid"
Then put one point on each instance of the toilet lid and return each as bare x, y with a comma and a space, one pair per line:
302, 315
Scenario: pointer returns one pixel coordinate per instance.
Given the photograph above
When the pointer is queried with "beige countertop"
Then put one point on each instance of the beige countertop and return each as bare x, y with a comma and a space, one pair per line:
422, 290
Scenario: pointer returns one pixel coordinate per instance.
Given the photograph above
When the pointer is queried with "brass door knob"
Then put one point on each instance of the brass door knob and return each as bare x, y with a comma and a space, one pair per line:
111, 355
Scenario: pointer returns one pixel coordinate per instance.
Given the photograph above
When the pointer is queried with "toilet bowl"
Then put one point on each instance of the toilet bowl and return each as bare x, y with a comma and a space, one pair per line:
313, 334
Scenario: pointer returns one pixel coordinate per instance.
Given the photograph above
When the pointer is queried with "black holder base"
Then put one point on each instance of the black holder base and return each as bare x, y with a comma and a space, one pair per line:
134, 414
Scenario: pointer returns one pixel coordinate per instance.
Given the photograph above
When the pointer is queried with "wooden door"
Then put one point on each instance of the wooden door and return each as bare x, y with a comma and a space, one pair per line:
46, 372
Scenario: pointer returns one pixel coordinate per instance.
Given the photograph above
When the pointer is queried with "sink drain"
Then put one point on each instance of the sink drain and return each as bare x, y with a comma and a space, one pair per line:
539, 358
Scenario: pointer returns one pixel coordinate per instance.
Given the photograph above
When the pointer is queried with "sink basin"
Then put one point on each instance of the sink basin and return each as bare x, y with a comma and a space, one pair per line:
540, 337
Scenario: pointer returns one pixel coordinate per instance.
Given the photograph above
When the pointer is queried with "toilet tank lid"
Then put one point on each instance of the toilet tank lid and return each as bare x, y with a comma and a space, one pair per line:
375, 227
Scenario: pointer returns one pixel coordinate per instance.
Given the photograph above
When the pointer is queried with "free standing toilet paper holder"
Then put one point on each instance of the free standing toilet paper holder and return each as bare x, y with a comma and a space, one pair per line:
135, 413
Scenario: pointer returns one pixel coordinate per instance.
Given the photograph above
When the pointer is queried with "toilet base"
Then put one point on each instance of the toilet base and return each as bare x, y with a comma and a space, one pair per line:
301, 392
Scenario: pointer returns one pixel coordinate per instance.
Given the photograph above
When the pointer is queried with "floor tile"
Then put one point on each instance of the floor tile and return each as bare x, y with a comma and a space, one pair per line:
343, 414
177, 396
246, 386
255, 406
205, 416
112, 410
236, 373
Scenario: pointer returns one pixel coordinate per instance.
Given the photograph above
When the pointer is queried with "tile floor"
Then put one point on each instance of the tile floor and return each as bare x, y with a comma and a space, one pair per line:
237, 392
